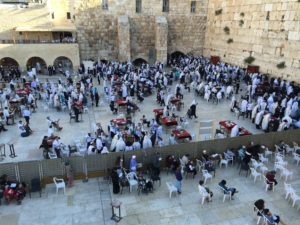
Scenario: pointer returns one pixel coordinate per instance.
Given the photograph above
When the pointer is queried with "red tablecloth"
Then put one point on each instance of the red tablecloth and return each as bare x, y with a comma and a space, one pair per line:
168, 121
158, 111
121, 102
119, 121
227, 124
25, 91
243, 132
181, 134
175, 100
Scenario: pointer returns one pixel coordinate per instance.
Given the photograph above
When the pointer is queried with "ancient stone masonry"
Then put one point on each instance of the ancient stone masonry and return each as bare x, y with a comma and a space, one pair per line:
102, 33
268, 30
124, 38
161, 39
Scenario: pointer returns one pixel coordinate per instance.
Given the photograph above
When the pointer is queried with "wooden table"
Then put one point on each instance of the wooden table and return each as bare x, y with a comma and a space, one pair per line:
243, 132
158, 112
181, 134
119, 121
168, 121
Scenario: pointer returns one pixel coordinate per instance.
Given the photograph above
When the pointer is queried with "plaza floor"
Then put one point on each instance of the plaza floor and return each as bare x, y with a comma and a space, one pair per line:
89, 203
28, 148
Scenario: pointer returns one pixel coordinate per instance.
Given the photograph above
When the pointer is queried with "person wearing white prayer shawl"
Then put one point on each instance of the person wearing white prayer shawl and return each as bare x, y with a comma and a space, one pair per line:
120, 145
283, 126
165, 112
288, 119
265, 121
234, 131
243, 107
287, 111
124, 90
147, 142
114, 142
136, 145
258, 118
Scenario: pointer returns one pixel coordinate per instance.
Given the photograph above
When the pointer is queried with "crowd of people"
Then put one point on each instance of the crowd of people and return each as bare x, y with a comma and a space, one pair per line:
271, 103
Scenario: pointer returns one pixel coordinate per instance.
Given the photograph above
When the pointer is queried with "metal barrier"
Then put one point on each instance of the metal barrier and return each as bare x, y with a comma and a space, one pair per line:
99, 165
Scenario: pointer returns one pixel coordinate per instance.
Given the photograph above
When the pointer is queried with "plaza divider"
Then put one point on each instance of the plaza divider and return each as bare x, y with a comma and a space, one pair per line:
29, 170
10, 169
100, 165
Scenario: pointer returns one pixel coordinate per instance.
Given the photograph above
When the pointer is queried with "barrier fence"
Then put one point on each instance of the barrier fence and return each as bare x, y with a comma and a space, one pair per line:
99, 165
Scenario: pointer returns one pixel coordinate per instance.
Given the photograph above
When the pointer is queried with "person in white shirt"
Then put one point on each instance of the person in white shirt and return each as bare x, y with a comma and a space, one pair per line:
234, 131
26, 115
56, 146
50, 131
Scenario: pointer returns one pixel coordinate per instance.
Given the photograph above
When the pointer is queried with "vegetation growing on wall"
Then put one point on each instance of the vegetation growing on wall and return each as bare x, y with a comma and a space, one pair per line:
249, 60
241, 23
281, 65
226, 30
229, 41
218, 12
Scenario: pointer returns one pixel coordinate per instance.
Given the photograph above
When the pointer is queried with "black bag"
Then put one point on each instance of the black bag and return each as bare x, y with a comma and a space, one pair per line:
124, 182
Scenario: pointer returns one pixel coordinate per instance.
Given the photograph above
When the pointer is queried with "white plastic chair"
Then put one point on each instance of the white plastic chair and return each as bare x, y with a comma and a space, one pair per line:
268, 152
278, 149
279, 156
203, 195
294, 198
199, 165
255, 164
262, 158
171, 188
60, 184
289, 149
52, 155
225, 193
224, 162
296, 157
278, 166
255, 174
206, 175
288, 190
268, 183
286, 173
132, 180
263, 169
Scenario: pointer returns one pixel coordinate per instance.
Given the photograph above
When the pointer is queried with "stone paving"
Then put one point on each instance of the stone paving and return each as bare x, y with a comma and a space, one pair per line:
89, 203
28, 148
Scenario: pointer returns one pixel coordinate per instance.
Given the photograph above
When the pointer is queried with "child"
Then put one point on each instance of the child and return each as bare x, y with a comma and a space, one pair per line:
69, 172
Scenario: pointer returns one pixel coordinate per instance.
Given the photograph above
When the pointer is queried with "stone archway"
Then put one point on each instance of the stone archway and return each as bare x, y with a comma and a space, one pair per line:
38, 63
139, 62
8, 63
63, 64
177, 54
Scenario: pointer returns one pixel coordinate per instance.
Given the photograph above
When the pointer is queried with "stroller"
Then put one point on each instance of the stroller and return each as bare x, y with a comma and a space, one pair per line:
145, 186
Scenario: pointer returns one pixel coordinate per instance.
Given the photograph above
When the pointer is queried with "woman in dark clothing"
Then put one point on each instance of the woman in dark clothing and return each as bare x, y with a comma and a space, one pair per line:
193, 109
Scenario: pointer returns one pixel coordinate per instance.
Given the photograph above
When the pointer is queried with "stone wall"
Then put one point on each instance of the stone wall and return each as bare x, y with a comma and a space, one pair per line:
186, 34
269, 30
142, 34
99, 36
